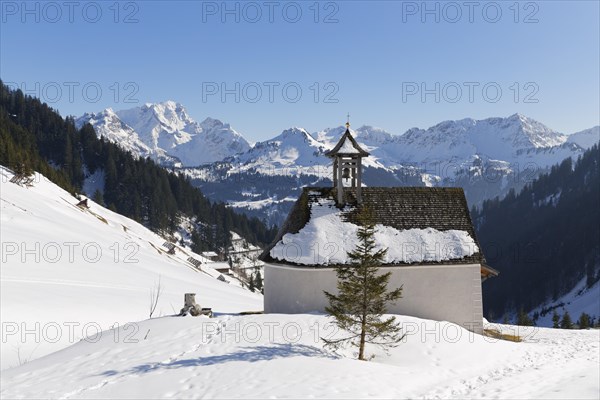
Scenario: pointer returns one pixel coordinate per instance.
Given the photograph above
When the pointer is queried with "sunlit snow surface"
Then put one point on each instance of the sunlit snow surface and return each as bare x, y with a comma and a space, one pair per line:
63, 266
230, 356
282, 356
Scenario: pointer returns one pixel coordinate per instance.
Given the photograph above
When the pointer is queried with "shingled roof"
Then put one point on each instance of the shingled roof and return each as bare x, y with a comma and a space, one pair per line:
398, 207
347, 145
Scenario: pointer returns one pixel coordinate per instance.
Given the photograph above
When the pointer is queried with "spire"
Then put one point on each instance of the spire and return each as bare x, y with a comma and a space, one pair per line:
347, 145
347, 164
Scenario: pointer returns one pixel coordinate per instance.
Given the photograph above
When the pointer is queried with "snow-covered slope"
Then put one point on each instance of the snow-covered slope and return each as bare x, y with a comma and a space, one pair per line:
165, 130
90, 268
586, 138
282, 356
83, 277
580, 299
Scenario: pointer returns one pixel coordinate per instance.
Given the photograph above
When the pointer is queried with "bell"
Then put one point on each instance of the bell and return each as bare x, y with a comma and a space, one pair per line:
346, 173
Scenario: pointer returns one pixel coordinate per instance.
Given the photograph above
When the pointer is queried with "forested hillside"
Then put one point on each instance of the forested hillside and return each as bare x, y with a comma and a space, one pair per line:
545, 239
33, 136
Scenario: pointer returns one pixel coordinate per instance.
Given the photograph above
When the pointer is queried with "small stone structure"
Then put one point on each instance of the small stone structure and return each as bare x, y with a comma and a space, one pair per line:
190, 306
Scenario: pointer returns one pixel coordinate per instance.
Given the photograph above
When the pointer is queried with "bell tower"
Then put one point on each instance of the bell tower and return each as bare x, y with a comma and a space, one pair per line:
347, 165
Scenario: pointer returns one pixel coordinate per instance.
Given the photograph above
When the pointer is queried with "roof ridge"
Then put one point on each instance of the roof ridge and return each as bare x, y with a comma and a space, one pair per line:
346, 136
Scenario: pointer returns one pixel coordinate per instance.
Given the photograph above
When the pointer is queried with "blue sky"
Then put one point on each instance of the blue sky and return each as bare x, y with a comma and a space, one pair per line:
391, 64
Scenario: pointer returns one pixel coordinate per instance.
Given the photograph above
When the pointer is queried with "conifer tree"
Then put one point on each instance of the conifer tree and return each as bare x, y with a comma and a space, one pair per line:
97, 197
251, 285
584, 321
566, 322
523, 318
555, 320
258, 281
362, 297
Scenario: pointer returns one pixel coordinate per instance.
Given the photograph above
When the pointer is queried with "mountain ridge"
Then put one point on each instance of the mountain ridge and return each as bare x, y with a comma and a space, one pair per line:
486, 157
165, 132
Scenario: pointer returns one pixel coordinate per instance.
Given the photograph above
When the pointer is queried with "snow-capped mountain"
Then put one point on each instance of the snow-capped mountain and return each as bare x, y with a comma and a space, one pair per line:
108, 125
493, 138
367, 135
486, 157
507, 139
445, 150
166, 132
513, 139
294, 147
586, 138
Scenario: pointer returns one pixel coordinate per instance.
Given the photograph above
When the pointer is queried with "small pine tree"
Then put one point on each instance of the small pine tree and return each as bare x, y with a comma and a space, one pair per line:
362, 297
258, 281
523, 318
22, 171
251, 285
23, 166
198, 245
555, 320
97, 197
584, 321
566, 322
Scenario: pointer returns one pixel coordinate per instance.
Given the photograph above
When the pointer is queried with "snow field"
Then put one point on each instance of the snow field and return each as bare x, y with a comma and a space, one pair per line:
281, 356
68, 273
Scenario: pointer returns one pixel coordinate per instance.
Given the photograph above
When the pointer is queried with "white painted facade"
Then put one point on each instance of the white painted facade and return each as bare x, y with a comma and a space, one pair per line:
439, 292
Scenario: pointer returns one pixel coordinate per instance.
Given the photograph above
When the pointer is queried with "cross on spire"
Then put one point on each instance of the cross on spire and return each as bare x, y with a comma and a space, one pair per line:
348, 121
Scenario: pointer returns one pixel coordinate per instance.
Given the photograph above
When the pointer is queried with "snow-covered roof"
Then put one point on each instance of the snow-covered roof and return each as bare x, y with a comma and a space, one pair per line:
347, 145
327, 238
418, 225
